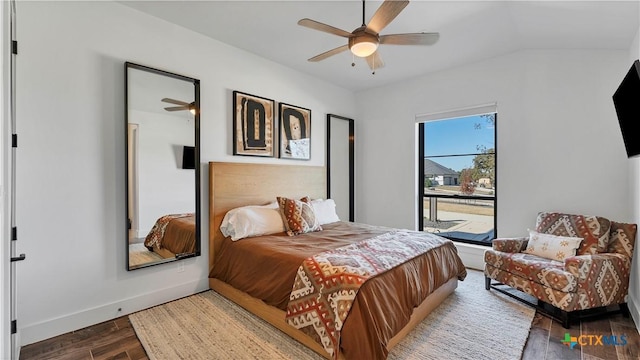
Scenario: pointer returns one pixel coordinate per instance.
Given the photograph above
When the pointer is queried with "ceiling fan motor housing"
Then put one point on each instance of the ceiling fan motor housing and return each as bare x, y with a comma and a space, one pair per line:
363, 43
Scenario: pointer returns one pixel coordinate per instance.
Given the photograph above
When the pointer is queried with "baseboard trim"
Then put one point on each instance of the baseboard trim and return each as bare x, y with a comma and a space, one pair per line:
633, 304
472, 255
53, 327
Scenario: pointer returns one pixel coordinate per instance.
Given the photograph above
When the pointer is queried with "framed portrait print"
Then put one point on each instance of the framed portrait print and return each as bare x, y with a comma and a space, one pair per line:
295, 132
253, 125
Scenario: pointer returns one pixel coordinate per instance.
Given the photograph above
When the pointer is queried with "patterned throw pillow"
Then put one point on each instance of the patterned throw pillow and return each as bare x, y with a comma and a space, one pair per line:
552, 247
298, 216
623, 238
593, 229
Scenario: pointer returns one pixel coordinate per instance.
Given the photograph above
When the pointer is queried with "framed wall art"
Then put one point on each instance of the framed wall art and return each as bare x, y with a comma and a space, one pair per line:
295, 132
253, 125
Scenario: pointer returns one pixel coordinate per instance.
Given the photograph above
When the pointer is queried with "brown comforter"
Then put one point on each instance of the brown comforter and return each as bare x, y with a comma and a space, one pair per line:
265, 268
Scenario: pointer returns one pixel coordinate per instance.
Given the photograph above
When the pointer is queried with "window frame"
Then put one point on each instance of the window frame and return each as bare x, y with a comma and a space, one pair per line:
421, 176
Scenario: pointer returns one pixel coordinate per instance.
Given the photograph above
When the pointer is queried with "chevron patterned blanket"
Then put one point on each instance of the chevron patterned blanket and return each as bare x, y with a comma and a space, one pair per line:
327, 284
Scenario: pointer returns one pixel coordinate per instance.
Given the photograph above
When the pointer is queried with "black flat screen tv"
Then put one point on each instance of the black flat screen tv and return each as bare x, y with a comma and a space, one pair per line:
627, 102
189, 157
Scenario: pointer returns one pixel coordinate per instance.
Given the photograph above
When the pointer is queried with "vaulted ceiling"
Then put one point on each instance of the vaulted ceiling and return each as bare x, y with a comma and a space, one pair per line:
470, 31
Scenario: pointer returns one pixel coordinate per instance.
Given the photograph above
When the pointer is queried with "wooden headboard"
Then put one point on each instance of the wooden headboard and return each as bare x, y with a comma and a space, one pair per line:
232, 185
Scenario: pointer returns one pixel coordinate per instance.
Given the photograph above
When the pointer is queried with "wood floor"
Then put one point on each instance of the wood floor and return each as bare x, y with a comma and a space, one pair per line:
113, 339
546, 336
116, 340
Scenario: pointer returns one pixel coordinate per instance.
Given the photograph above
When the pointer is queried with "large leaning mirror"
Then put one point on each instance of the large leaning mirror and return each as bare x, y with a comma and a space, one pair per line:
163, 173
340, 165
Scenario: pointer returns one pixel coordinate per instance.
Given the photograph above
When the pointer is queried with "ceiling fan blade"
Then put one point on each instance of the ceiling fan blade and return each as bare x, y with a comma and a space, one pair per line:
375, 61
329, 53
312, 24
385, 14
173, 101
177, 108
410, 39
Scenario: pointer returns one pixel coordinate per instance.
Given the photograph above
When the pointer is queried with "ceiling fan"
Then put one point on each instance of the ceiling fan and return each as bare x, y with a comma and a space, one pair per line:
363, 41
182, 105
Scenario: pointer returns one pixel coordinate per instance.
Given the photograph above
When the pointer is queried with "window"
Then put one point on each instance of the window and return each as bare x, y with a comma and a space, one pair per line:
457, 177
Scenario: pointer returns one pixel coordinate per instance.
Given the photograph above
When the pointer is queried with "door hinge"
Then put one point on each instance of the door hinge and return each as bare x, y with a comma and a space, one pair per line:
14, 326
14, 47
14, 233
14, 140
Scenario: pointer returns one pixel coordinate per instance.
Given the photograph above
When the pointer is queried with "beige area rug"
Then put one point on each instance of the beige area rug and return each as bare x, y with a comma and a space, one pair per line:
471, 323
139, 254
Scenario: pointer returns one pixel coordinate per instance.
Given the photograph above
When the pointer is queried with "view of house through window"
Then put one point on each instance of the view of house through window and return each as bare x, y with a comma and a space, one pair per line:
459, 177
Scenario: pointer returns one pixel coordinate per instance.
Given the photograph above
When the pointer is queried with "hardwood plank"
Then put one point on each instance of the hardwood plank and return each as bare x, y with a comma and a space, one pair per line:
556, 349
619, 319
60, 354
591, 357
90, 331
122, 322
122, 356
600, 327
137, 353
116, 349
630, 351
70, 341
77, 344
536, 345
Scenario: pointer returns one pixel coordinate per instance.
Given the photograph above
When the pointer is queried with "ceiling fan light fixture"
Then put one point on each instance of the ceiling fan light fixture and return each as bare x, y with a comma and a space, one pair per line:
363, 45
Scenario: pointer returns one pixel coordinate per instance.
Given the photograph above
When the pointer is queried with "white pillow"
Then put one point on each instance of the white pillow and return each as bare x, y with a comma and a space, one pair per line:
253, 220
325, 211
552, 247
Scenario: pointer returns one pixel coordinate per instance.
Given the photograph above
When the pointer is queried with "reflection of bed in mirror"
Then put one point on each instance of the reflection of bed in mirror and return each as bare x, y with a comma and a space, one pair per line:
162, 171
256, 272
173, 235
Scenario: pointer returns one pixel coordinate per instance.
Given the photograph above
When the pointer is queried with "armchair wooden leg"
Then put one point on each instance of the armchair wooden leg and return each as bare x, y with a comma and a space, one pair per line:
624, 310
487, 282
565, 318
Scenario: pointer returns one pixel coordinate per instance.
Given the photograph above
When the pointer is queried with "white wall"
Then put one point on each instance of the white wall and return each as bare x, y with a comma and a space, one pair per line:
555, 121
71, 181
557, 137
634, 193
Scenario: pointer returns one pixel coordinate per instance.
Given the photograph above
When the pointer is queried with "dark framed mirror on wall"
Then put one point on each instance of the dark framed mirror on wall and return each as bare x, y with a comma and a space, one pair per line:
162, 118
341, 164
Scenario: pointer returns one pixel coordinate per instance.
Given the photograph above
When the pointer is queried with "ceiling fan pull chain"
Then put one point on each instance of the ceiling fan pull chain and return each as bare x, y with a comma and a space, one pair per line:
353, 60
373, 62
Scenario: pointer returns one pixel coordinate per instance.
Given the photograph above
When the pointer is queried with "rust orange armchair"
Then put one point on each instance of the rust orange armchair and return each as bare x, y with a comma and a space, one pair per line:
596, 276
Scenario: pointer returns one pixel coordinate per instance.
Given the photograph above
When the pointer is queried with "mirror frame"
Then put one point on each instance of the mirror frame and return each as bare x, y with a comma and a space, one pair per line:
196, 87
351, 161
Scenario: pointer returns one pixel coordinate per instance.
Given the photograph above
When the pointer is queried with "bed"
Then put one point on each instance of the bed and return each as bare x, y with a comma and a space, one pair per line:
173, 235
253, 272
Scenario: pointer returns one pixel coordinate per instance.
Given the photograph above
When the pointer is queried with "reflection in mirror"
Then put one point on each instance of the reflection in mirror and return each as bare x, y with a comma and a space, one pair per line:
163, 172
340, 165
